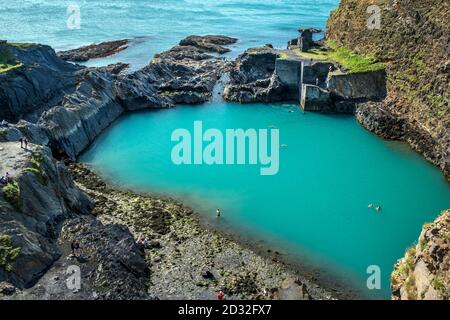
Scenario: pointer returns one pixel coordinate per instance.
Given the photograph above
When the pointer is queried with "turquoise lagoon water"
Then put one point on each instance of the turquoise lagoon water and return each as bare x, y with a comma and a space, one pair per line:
315, 209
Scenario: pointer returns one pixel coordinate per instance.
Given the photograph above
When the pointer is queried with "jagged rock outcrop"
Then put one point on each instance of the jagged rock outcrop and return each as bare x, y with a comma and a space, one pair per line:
115, 267
253, 78
424, 272
413, 44
209, 43
186, 74
42, 79
93, 51
32, 208
73, 104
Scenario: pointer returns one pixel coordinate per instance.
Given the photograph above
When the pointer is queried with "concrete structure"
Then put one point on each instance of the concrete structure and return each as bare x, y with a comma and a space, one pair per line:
314, 98
365, 85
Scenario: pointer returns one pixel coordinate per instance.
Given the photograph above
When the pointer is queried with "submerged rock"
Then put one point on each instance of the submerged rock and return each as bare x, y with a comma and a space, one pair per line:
209, 43
93, 51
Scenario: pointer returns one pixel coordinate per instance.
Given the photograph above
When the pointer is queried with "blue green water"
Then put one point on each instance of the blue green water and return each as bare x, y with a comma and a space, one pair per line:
159, 24
315, 209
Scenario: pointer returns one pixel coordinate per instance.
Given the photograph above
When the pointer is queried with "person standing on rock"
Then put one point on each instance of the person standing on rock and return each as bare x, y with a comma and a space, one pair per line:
25, 141
75, 246
330, 70
220, 295
21, 142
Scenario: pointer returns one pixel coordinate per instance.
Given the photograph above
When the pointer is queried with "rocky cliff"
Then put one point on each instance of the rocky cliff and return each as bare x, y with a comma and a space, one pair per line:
413, 42
32, 208
424, 272
72, 105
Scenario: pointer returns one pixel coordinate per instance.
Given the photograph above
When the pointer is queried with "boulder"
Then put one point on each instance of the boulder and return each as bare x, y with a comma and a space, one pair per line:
209, 43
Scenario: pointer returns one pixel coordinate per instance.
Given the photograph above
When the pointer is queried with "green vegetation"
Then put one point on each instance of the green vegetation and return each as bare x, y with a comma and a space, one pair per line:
283, 55
3, 135
36, 168
7, 252
11, 193
411, 288
167, 93
7, 60
405, 268
349, 60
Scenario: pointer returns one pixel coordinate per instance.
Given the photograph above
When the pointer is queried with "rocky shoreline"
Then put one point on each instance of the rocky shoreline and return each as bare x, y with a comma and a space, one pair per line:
61, 108
183, 258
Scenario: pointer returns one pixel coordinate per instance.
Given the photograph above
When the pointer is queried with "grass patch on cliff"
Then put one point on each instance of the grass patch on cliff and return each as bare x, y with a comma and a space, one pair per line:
11, 192
402, 272
350, 61
36, 168
7, 60
7, 252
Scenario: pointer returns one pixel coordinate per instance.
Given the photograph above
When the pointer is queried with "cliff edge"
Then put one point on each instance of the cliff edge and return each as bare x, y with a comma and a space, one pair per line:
413, 42
424, 272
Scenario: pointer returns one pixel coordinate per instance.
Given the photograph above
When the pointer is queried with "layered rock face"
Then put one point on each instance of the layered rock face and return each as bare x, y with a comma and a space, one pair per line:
186, 74
73, 104
42, 79
42, 196
209, 43
424, 272
413, 43
253, 78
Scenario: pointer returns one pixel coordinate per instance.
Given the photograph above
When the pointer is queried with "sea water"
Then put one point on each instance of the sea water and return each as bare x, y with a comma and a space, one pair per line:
157, 25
